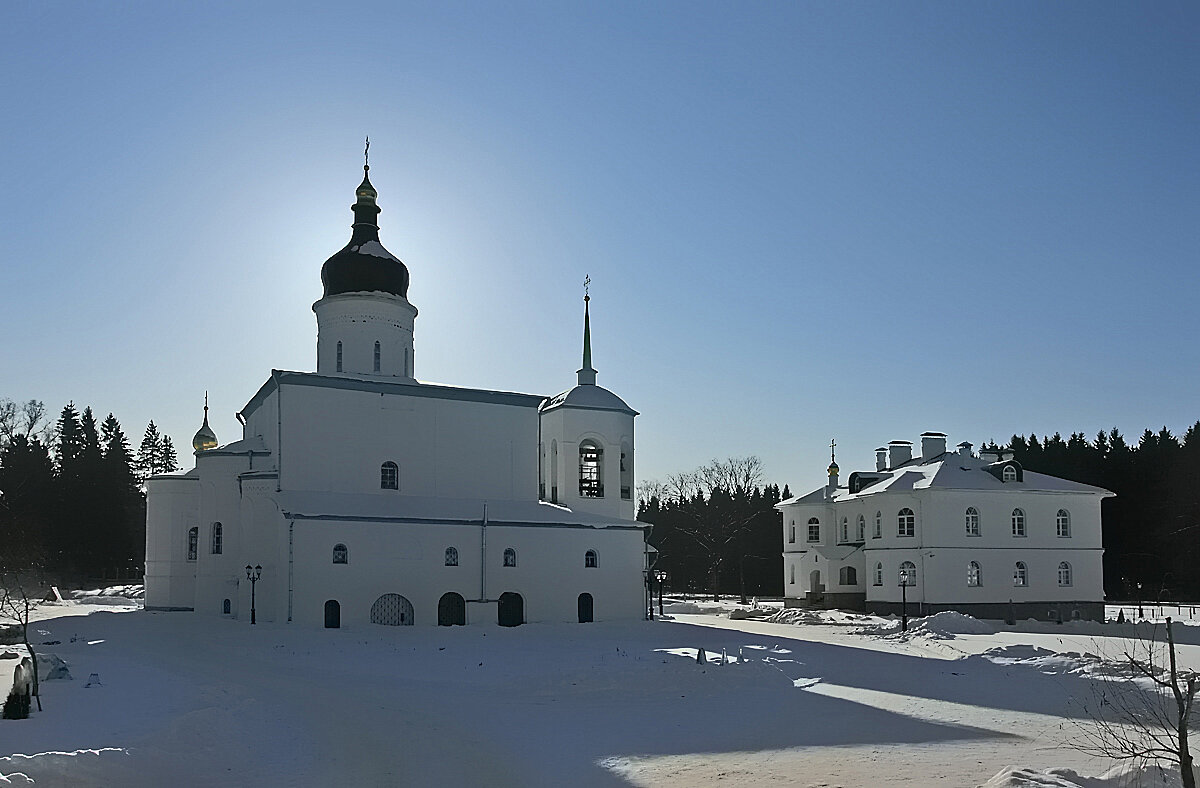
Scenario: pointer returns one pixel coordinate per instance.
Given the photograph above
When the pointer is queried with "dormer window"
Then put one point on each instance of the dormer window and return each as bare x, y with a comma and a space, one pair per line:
1009, 474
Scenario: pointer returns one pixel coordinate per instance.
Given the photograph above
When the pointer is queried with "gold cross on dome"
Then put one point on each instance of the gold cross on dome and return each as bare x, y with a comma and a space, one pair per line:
587, 280
832, 446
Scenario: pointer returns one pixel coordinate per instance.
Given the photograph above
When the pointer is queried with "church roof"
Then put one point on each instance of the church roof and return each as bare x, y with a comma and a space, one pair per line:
363, 265
417, 509
589, 396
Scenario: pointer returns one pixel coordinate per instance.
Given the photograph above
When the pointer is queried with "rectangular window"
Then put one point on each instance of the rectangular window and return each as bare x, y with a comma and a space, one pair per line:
814, 533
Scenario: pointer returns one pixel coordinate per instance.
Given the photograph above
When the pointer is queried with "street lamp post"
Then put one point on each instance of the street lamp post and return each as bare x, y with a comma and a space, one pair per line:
253, 573
660, 575
904, 600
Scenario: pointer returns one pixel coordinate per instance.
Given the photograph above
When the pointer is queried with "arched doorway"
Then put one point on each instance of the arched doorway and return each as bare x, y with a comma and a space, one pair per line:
333, 614
392, 610
511, 610
452, 610
815, 586
585, 608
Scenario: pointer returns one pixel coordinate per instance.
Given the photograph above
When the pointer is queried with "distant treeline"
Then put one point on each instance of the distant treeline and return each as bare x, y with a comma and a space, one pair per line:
1152, 527
71, 503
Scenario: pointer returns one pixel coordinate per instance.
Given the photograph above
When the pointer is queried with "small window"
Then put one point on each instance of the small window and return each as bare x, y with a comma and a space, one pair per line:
589, 559
1064, 574
377, 356
878, 528
1020, 575
226, 606
906, 522
216, 539
848, 576
792, 534
510, 557
451, 556
193, 543
908, 574
339, 356
591, 471
340, 554
389, 476
814, 530
974, 575
860, 532
972, 520
1018, 522
1063, 521
878, 574
845, 530
626, 474
792, 574
1009, 474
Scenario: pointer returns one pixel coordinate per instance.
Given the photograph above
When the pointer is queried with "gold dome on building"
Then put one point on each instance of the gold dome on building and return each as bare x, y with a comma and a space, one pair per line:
205, 437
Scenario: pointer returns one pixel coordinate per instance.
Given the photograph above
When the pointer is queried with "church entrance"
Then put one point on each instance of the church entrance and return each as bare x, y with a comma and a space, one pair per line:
585, 608
511, 610
333, 614
392, 610
452, 610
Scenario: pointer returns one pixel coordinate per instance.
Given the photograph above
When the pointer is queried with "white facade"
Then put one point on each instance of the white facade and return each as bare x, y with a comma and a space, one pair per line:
975, 533
367, 496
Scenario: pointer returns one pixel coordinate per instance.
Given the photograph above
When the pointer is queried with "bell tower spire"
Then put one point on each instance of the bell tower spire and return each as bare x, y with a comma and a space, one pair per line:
586, 375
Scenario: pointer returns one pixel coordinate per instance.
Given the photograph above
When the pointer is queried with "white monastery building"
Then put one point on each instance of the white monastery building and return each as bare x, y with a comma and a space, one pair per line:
358, 494
973, 533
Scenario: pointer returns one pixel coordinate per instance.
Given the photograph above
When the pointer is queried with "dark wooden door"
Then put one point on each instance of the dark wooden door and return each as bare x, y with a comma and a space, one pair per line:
585, 608
511, 610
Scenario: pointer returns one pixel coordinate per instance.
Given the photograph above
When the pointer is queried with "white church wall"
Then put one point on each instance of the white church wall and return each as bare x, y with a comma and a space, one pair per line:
217, 574
172, 508
337, 439
263, 421
358, 321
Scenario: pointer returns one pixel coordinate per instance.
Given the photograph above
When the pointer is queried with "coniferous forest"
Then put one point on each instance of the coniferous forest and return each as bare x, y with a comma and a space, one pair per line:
716, 528
71, 504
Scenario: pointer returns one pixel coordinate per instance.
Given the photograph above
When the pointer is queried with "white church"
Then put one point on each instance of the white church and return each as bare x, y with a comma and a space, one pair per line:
359, 495
948, 530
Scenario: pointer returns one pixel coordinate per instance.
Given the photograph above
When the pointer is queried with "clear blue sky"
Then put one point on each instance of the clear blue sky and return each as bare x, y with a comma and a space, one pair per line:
801, 220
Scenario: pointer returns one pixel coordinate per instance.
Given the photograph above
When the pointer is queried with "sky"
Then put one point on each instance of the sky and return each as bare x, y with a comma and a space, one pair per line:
802, 221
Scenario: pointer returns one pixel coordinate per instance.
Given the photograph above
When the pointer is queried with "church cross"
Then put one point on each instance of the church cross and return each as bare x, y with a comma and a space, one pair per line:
367, 153
587, 280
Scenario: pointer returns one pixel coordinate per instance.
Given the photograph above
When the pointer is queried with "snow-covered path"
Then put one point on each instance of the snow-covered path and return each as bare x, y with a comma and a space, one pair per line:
190, 700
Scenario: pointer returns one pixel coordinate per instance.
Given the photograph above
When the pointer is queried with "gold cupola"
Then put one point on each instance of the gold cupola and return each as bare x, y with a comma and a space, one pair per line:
205, 438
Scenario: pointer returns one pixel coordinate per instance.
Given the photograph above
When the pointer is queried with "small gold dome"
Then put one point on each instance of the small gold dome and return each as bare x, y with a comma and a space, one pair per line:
833, 468
205, 437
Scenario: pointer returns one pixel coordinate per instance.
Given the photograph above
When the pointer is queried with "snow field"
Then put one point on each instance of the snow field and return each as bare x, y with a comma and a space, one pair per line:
839, 701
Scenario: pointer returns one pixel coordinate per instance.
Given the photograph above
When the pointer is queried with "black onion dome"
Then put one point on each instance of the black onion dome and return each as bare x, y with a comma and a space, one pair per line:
363, 265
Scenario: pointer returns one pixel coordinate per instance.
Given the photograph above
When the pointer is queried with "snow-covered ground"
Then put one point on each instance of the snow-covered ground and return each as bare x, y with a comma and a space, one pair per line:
830, 700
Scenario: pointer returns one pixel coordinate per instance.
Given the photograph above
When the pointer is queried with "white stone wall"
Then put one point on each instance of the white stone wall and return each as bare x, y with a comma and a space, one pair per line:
568, 428
358, 321
172, 508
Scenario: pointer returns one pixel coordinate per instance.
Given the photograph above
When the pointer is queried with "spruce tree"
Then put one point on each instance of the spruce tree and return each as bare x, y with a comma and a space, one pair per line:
148, 455
169, 461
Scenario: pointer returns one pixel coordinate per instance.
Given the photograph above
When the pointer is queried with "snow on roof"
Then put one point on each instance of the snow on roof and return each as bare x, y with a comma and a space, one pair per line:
415, 508
254, 445
949, 472
588, 396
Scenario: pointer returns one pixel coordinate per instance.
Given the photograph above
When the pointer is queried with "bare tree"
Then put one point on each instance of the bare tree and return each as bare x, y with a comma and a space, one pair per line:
16, 607
1129, 722
23, 418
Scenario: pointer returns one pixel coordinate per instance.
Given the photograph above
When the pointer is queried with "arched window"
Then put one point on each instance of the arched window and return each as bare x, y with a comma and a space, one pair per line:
541, 471
340, 554
1020, 575
377, 356
591, 470
510, 557
974, 574
589, 559
878, 574
226, 606
908, 574
814, 529
906, 522
792, 574
1064, 574
1063, 522
860, 533
792, 534
1018, 522
389, 476
626, 473
216, 539
339, 356
845, 530
451, 556
878, 527
972, 520
193, 543
554, 471
847, 576
1009, 474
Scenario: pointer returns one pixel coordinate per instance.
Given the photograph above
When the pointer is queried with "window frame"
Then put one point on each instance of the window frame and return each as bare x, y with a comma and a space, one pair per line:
1062, 524
878, 574
1065, 575
814, 529
341, 550
906, 522
378, 356
974, 574
451, 556
1019, 531
591, 560
510, 558
1020, 575
193, 543
878, 526
591, 469
912, 573
217, 539
389, 476
971, 522
1008, 474
860, 528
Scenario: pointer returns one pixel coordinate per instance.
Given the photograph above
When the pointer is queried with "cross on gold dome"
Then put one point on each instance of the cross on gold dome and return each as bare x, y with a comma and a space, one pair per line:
367, 155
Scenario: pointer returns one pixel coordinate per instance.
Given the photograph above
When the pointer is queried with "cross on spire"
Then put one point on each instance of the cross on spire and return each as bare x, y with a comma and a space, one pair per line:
587, 280
367, 155
832, 446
